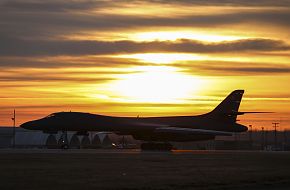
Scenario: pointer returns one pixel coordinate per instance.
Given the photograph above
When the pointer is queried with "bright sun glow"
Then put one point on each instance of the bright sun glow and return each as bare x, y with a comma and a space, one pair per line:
172, 35
157, 84
167, 58
161, 58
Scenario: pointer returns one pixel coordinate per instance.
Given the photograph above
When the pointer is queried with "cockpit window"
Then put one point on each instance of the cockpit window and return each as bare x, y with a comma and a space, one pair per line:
51, 115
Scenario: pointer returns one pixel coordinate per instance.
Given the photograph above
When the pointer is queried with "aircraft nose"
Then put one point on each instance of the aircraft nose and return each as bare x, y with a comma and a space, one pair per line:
27, 125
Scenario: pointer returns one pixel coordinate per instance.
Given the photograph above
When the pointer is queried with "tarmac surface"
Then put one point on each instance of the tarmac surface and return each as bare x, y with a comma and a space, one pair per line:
133, 169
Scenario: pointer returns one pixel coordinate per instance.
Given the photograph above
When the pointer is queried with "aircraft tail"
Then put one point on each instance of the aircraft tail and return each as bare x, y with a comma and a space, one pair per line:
228, 109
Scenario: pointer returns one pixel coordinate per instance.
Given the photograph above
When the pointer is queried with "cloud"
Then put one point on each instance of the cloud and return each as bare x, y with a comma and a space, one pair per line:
55, 19
10, 63
114, 21
54, 5
54, 78
225, 2
267, 70
109, 104
61, 5
17, 47
231, 68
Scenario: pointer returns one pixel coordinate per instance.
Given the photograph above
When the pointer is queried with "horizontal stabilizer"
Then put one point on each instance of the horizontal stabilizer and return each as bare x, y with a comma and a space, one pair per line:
248, 112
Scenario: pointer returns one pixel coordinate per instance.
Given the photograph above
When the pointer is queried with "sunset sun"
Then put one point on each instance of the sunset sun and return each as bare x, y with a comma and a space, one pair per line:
158, 84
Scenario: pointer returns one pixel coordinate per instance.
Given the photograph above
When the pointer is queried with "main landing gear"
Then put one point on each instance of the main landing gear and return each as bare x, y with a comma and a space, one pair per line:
156, 146
63, 141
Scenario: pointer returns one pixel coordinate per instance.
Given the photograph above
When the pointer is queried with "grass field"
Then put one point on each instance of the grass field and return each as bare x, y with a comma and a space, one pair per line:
116, 169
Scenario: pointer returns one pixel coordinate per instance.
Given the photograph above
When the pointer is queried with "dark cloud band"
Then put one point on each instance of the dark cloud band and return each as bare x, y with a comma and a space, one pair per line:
16, 47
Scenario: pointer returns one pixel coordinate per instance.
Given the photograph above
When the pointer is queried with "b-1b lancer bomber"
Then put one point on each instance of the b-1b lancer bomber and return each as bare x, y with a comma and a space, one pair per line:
156, 133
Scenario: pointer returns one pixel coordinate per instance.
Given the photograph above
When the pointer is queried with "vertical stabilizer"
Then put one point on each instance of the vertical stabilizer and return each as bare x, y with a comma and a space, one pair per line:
228, 108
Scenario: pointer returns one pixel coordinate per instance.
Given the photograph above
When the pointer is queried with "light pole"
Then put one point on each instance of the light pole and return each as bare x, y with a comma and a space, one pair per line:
263, 139
14, 119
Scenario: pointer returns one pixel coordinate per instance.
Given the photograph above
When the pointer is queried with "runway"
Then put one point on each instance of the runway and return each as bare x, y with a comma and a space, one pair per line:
134, 169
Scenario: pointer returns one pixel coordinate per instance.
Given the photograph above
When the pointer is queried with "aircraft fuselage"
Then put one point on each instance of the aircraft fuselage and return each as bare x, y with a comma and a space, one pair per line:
220, 121
139, 127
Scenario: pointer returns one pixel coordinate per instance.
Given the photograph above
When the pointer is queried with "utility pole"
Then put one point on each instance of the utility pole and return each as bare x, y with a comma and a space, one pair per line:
266, 138
263, 139
284, 139
275, 132
14, 119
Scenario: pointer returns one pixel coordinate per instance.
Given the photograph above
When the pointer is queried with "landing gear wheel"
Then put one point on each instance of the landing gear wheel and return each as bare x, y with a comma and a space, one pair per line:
156, 146
64, 146
63, 141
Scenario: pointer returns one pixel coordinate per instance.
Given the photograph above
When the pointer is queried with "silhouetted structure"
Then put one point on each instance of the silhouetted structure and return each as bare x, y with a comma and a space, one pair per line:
156, 132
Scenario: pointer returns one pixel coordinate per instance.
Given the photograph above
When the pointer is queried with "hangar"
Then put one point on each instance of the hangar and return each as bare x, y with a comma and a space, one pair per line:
37, 139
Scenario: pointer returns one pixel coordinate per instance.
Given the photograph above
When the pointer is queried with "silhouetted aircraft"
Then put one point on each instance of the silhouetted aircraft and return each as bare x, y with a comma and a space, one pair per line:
156, 131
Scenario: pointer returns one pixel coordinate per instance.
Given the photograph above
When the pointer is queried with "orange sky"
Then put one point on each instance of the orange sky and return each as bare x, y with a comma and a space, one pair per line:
146, 58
